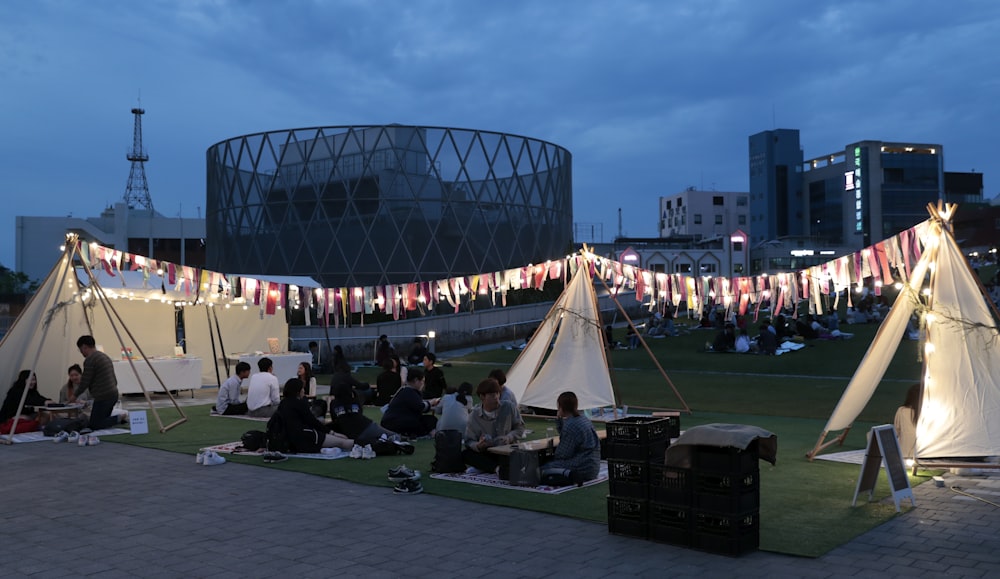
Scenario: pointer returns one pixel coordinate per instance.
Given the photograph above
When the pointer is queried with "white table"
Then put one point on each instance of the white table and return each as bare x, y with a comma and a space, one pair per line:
176, 373
285, 365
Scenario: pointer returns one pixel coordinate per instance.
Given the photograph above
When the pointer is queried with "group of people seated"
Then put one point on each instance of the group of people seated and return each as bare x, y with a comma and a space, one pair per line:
772, 333
93, 386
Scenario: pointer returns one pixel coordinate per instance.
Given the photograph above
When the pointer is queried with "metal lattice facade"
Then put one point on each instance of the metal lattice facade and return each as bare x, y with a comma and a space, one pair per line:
375, 205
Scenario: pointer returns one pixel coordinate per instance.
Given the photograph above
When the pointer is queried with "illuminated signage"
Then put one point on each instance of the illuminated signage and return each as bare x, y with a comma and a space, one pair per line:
858, 220
801, 252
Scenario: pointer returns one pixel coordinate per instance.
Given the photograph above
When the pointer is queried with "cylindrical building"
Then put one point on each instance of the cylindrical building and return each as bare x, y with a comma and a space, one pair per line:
375, 205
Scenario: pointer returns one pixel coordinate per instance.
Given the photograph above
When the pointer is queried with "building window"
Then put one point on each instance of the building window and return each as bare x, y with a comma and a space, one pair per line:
741, 201
718, 220
697, 219
707, 268
737, 246
682, 268
718, 200
737, 268
741, 219
668, 204
679, 202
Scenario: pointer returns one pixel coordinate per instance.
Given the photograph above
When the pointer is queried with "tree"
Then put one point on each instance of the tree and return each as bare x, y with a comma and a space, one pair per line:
16, 282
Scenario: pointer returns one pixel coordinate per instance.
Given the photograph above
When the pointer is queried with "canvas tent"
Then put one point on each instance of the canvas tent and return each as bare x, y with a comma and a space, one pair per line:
960, 401
577, 360
43, 338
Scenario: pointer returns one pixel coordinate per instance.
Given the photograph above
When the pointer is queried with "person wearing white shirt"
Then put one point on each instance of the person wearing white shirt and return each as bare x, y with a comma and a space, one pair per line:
262, 395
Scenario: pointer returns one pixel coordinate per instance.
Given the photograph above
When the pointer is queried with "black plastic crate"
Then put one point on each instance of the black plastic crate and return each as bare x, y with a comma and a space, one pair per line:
670, 524
628, 517
726, 534
638, 430
673, 424
727, 459
670, 484
653, 452
727, 492
629, 478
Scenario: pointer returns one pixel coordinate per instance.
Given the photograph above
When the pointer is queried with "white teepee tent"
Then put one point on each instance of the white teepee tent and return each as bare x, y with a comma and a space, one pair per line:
578, 359
43, 337
577, 362
960, 402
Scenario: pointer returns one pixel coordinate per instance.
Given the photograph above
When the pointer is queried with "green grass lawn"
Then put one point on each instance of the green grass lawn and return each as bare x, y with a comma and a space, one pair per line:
805, 506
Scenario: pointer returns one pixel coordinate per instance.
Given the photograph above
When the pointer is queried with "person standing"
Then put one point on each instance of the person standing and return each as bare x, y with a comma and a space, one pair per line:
262, 394
98, 379
434, 383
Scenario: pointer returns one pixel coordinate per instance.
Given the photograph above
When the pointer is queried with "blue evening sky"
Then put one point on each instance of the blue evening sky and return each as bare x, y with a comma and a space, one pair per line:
650, 97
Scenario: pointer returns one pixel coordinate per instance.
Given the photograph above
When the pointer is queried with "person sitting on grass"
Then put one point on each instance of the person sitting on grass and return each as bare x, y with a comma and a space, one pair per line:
228, 403
347, 412
578, 455
262, 393
767, 341
342, 378
505, 393
304, 431
454, 408
407, 411
494, 422
725, 341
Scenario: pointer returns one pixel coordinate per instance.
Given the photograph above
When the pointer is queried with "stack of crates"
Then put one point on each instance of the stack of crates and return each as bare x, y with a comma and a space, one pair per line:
635, 446
725, 499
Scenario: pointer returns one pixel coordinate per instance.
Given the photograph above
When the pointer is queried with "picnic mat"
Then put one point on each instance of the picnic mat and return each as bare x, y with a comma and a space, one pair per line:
848, 456
37, 435
240, 416
492, 480
231, 448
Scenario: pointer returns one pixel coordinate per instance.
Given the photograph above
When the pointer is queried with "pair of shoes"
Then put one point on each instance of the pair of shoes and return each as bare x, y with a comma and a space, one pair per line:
357, 451
63, 436
88, 440
367, 452
74, 437
404, 447
272, 457
212, 458
408, 487
402, 473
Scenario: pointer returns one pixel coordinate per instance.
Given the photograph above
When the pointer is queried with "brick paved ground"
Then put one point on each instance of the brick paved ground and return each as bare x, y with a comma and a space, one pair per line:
121, 511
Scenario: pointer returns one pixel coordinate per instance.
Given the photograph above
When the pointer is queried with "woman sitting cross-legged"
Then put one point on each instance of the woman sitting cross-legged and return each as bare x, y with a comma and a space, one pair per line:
304, 431
578, 456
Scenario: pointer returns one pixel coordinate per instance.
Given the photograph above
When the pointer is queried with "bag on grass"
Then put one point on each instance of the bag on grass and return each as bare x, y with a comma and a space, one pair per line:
253, 440
448, 452
524, 468
277, 437
64, 424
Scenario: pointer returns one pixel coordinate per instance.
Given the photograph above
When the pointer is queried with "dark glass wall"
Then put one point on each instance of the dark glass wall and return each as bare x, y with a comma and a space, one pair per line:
374, 205
909, 182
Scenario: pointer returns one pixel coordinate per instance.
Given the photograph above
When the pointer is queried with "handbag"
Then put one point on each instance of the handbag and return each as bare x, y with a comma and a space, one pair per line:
524, 468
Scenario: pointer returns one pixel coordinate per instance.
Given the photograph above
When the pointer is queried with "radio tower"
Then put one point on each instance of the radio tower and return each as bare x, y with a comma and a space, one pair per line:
137, 190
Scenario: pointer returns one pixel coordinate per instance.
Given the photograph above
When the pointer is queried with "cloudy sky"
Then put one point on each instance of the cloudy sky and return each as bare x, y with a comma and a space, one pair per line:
650, 97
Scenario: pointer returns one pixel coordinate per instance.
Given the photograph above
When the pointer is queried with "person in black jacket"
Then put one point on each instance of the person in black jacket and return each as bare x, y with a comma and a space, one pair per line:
434, 382
388, 382
342, 377
304, 431
13, 398
407, 412
349, 418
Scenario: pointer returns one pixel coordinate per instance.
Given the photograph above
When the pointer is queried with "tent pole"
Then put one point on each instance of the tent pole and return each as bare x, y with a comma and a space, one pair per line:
109, 310
614, 298
820, 445
215, 354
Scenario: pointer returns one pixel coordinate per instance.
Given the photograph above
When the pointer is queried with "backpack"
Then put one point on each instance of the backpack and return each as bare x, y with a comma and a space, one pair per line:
253, 440
448, 452
277, 437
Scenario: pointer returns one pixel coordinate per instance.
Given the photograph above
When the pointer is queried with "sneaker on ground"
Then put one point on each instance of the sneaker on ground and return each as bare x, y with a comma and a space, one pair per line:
272, 457
63, 436
474, 470
212, 458
82, 440
404, 447
367, 452
200, 457
357, 451
92, 440
402, 472
74, 437
408, 487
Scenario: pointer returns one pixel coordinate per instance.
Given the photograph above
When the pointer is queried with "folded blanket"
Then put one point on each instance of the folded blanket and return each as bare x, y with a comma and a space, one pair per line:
722, 435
